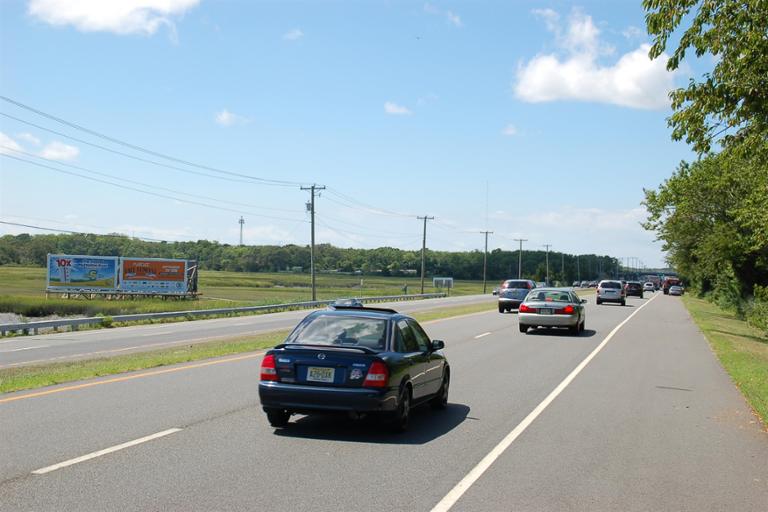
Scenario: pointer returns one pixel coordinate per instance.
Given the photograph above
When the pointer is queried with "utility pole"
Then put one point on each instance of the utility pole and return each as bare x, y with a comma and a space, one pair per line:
520, 257
312, 190
424, 248
547, 246
241, 222
562, 268
485, 259
578, 271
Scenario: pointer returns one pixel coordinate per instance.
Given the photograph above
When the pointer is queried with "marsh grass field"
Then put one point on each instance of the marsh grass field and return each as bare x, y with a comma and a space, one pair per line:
22, 291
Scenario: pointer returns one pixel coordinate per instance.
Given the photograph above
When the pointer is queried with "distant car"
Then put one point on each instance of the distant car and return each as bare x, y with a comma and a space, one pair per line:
649, 287
357, 361
552, 307
348, 303
669, 282
633, 288
512, 293
585, 284
675, 290
611, 291
495, 291
593, 284
575, 284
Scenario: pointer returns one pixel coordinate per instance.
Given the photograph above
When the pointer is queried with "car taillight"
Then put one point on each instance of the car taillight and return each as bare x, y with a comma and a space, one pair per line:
268, 370
567, 310
378, 375
525, 309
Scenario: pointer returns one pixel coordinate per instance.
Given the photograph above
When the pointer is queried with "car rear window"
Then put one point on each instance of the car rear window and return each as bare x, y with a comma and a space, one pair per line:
341, 330
548, 296
516, 284
611, 284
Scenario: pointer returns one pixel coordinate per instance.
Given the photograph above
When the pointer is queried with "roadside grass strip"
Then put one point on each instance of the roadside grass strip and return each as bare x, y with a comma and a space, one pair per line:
19, 378
742, 350
37, 376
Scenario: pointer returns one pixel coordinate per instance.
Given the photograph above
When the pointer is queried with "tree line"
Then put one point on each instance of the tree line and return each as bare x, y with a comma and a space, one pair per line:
712, 213
32, 250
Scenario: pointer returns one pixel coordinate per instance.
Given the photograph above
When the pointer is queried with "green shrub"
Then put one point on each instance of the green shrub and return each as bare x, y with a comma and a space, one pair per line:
756, 309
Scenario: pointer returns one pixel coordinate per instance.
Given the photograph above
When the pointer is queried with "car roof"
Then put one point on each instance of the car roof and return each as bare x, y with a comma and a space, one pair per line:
366, 312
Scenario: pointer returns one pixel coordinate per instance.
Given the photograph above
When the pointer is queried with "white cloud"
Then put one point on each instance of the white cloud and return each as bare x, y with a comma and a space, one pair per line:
29, 138
227, 118
633, 32
395, 109
632, 81
450, 16
59, 151
8, 145
118, 16
293, 35
509, 130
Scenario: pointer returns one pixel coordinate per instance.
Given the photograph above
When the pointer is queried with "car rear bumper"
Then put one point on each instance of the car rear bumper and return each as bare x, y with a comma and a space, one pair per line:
549, 320
300, 398
510, 303
610, 299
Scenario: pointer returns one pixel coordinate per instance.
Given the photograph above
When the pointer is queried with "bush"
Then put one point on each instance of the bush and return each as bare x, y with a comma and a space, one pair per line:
756, 310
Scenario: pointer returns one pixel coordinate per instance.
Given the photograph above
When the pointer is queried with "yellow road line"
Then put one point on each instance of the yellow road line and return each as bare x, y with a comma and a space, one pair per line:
131, 377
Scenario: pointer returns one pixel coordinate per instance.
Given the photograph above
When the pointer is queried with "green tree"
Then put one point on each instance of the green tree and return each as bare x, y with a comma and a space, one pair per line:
732, 100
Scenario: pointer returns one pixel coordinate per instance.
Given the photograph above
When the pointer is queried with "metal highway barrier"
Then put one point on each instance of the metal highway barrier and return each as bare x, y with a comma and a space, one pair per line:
74, 323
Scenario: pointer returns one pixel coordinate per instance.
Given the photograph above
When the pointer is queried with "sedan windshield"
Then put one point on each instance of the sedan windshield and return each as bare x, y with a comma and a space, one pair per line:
341, 330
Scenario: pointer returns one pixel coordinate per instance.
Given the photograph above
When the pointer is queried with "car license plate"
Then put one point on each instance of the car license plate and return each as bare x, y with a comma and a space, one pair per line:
545, 311
320, 374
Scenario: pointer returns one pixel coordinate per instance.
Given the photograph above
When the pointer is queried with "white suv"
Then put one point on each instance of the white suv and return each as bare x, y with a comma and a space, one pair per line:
611, 291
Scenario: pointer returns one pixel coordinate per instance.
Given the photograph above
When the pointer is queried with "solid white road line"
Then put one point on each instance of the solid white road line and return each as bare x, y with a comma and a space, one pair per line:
482, 335
105, 451
450, 499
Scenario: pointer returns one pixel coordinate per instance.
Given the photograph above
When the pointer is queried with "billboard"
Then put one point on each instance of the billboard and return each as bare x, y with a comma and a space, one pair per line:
153, 275
68, 273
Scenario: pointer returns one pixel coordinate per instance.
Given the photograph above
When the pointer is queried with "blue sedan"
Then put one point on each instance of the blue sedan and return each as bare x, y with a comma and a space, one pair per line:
356, 360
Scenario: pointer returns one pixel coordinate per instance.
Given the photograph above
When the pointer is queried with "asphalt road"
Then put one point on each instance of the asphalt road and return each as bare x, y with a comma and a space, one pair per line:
26, 350
651, 422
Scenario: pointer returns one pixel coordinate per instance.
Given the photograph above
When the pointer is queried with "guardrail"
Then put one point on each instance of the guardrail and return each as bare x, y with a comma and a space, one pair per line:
74, 323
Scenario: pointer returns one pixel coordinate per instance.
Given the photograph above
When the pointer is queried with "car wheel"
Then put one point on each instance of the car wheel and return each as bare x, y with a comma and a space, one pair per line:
441, 399
278, 417
523, 328
403, 412
574, 330
623, 302
582, 326
599, 302
501, 309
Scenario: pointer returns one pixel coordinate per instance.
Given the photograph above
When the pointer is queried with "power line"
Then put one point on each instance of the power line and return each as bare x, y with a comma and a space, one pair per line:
143, 149
127, 155
117, 235
118, 185
157, 187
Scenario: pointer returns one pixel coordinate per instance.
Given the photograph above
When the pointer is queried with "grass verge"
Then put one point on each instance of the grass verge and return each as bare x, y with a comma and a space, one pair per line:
742, 350
38, 376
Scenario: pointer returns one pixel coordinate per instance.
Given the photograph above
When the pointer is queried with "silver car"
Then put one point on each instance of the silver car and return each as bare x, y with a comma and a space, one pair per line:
675, 290
552, 307
611, 291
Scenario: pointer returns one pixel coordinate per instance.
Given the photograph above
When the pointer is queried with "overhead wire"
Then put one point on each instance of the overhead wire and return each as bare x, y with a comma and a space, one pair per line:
54, 230
118, 185
142, 149
157, 187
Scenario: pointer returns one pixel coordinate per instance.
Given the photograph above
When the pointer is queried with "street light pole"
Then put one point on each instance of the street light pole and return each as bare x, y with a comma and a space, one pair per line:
520, 257
547, 246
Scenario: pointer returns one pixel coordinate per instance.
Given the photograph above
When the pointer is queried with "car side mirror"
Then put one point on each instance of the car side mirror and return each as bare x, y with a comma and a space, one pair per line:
437, 345
583, 301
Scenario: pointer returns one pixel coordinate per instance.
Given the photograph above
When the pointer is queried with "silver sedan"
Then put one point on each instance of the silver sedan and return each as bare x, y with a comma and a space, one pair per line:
552, 307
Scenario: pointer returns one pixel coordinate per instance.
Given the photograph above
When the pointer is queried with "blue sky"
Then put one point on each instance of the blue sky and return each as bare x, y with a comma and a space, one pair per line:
540, 120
